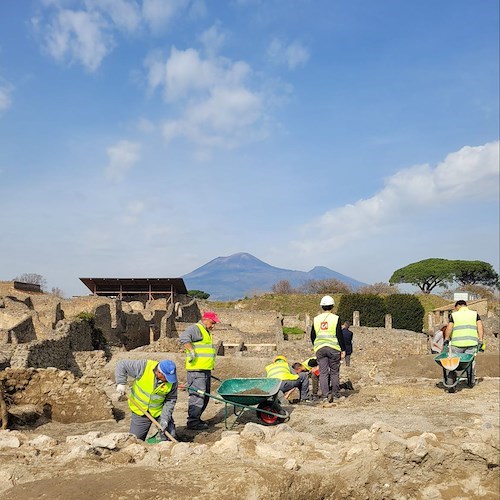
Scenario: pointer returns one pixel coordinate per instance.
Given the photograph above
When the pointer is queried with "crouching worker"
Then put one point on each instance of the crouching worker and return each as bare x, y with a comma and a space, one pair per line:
280, 368
154, 391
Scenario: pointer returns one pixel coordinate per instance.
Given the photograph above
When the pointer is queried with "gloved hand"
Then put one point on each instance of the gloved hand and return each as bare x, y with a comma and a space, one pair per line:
190, 356
446, 342
481, 347
120, 389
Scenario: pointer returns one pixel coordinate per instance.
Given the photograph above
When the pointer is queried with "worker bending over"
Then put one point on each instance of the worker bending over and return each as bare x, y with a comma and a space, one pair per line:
280, 368
310, 365
154, 391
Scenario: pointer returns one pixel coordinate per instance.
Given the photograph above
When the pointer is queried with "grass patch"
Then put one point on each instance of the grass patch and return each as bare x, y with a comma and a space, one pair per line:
292, 330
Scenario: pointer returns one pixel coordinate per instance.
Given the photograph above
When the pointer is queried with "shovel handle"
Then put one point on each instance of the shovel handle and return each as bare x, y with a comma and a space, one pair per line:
154, 421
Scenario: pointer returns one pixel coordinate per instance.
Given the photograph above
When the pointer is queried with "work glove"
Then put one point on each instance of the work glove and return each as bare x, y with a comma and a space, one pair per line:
190, 356
481, 347
120, 389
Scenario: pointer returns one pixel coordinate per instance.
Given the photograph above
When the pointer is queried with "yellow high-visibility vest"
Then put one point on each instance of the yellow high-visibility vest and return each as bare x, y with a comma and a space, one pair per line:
325, 326
205, 352
464, 332
305, 363
281, 370
144, 393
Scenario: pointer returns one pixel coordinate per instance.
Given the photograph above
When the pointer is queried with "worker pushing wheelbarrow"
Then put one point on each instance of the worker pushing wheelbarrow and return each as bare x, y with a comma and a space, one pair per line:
463, 340
249, 394
456, 367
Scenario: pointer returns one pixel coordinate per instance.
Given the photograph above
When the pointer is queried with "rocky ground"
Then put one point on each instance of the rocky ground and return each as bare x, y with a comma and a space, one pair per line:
398, 435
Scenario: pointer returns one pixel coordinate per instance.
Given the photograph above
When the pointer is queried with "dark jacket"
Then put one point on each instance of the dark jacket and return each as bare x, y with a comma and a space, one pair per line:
347, 334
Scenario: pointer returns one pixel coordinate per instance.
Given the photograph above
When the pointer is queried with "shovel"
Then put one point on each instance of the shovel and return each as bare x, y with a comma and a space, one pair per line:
451, 362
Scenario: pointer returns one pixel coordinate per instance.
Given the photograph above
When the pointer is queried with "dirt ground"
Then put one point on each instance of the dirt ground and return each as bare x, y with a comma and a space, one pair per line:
398, 434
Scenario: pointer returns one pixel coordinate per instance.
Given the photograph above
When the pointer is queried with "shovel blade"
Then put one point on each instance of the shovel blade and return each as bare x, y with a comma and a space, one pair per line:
450, 364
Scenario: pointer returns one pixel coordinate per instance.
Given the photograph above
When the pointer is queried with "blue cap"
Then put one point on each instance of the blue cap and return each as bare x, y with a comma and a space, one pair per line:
168, 369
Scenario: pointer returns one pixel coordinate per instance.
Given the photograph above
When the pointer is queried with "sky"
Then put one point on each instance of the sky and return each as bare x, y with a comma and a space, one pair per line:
144, 138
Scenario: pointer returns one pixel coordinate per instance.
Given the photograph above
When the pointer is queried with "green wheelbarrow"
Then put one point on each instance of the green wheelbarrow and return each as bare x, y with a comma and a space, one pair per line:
461, 365
249, 394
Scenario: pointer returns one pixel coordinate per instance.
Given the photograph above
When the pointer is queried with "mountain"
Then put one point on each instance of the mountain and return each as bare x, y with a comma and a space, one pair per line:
242, 274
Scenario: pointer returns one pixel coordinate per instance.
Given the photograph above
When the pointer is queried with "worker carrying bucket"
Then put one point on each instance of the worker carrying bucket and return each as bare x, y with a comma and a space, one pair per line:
152, 397
463, 339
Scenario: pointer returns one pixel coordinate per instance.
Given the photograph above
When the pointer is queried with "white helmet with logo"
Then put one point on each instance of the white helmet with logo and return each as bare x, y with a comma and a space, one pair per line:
327, 301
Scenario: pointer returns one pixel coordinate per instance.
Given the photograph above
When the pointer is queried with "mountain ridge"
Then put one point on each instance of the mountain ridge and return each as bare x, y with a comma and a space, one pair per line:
241, 274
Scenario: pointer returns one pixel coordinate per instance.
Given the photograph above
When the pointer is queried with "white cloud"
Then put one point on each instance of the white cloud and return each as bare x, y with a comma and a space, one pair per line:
158, 13
292, 55
6, 90
88, 34
465, 176
217, 106
125, 14
122, 157
212, 39
78, 36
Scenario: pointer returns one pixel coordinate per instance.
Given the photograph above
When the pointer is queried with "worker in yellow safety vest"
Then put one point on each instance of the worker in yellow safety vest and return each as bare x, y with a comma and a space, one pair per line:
464, 334
310, 365
154, 391
328, 344
200, 361
280, 369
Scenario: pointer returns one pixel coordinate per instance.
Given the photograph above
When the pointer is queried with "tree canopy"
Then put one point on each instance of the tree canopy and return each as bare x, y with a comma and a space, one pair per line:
429, 273
198, 294
475, 272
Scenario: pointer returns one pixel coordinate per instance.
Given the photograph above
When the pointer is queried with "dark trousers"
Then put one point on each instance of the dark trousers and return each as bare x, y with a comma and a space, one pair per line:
315, 383
329, 368
197, 403
302, 383
140, 425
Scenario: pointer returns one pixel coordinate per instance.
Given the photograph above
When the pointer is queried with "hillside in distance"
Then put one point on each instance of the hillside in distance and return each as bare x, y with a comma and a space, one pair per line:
242, 274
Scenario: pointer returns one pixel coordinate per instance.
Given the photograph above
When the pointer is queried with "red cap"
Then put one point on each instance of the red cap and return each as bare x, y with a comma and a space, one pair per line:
211, 315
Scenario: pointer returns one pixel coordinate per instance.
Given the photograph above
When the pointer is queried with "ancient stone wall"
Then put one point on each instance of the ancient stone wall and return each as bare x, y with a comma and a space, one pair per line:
252, 323
293, 322
187, 312
56, 352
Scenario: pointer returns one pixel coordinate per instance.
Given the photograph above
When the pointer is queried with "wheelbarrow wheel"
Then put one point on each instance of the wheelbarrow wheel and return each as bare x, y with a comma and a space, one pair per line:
451, 380
270, 419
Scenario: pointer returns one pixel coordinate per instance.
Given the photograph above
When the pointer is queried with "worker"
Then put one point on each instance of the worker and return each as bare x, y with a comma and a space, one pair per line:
310, 365
348, 335
328, 344
154, 390
437, 340
200, 361
280, 368
464, 334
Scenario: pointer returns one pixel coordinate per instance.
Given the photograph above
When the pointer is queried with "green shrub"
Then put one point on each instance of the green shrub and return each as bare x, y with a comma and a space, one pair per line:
372, 309
97, 338
407, 312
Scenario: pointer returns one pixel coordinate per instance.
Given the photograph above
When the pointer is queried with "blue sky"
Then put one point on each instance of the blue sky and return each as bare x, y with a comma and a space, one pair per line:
144, 138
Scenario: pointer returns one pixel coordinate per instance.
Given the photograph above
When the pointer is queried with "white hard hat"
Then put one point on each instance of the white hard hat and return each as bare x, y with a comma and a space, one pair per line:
327, 301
